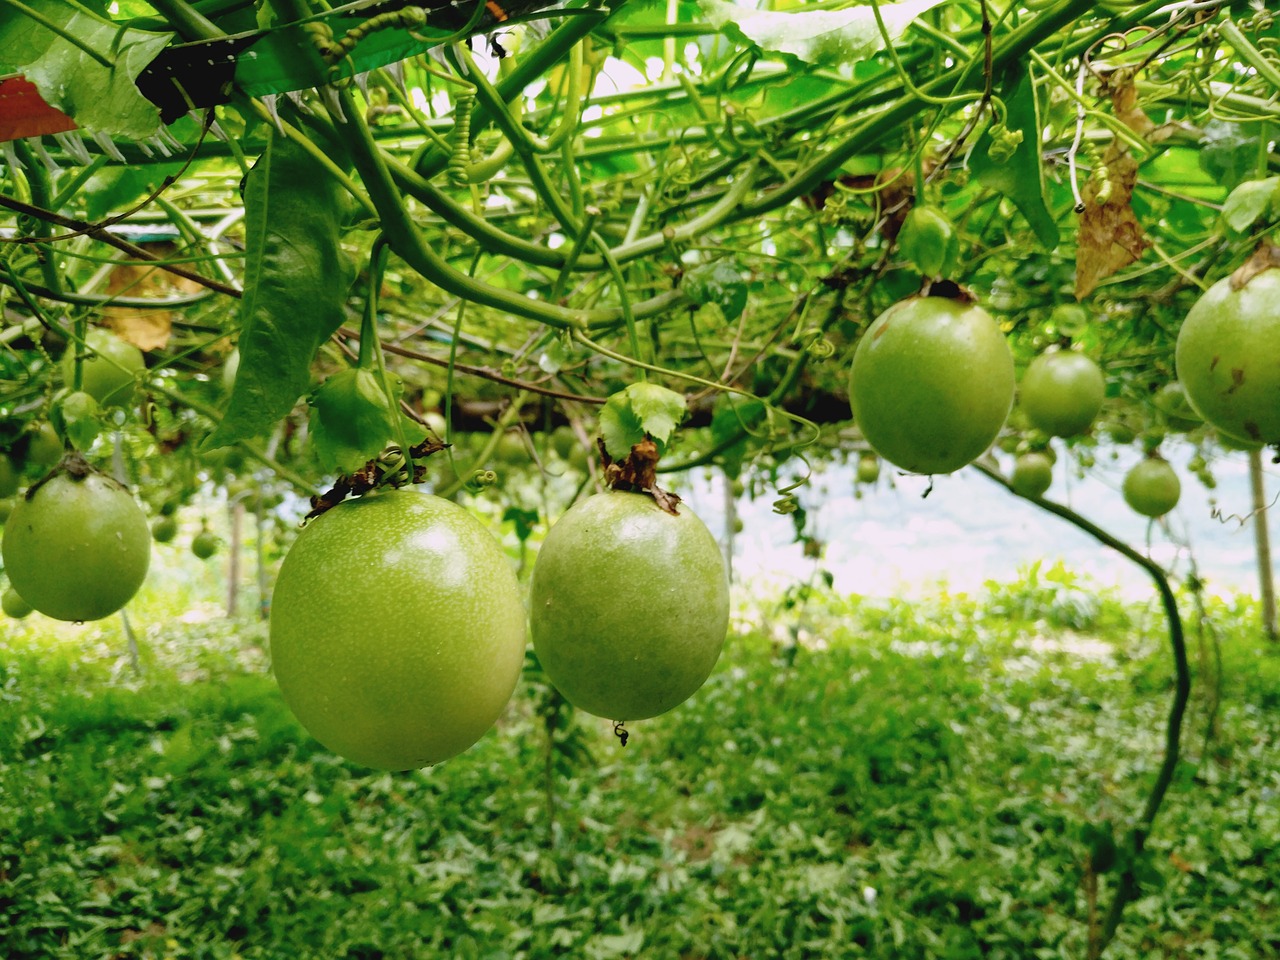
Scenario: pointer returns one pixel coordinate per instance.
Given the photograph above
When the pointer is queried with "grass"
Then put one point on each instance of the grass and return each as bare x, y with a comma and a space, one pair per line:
909, 780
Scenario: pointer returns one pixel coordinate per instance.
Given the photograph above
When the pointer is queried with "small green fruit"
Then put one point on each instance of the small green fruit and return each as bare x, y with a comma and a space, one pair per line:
14, 606
1032, 475
110, 371
1062, 392
1152, 488
204, 544
77, 548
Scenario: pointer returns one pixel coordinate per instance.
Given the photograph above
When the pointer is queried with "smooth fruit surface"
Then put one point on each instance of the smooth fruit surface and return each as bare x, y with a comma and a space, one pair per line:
1062, 392
629, 605
1171, 400
868, 468
164, 529
13, 604
1228, 357
931, 384
397, 630
77, 549
204, 544
10, 478
1032, 475
110, 369
1152, 488
44, 449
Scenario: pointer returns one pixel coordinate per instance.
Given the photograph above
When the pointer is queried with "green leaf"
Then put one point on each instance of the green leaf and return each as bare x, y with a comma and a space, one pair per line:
296, 280
930, 241
620, 427
352, 419
77, 418
720, 283
816, 36
639, 410
1016, 171
1229, 152
101, 98
660, 410
1248, 202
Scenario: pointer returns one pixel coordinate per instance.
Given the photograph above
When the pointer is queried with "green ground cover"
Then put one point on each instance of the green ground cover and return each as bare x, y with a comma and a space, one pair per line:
911, 780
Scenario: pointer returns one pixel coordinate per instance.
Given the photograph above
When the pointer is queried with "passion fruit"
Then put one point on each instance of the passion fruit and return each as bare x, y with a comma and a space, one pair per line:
1062, 392
1228, 357
629, 605
931, 384
1152, 488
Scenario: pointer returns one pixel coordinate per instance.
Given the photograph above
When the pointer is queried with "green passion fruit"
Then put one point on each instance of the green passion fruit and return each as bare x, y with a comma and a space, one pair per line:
10, 477
868, 468
1062, 392
1228, 357
1152, 488
204, 544
110, 369
13, 605
77, 548
931, 384
164, 529
397, 629
1032, 475
629, 605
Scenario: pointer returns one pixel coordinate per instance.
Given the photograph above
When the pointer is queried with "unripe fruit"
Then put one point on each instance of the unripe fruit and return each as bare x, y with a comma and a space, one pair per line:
44, 449
931, 384
164, 529
1171, 400
1228, 357
77, 549
1032, 475
110, 368
1152, 488
629, 605
868, 468
14, 606
397, 629
1062, 392
204, 544
10, 478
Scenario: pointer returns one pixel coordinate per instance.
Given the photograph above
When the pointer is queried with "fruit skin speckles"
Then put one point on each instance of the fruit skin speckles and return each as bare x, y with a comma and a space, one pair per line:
629, 606
1228, 357
397, 630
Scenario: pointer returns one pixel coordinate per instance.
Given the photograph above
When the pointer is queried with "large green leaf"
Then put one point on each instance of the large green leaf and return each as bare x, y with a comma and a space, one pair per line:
296, 280
100, 97
1016, 171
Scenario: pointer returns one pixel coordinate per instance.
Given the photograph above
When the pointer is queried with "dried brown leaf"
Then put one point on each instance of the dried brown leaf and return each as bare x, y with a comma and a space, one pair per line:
1124, 103
1110, 236
638, 472
1264, 258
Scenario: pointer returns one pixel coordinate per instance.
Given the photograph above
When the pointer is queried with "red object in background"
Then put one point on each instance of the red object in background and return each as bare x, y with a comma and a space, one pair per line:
23, 112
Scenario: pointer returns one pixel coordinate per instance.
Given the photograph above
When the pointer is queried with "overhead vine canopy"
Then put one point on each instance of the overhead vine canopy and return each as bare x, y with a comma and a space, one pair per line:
529, 201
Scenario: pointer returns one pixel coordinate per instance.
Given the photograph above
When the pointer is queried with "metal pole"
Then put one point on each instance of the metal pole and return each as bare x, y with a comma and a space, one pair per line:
1266, 576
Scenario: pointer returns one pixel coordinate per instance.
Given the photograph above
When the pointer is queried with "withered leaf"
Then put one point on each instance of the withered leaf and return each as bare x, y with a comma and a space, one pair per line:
1110, 236
638, 472
1124, 103
1266, 257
